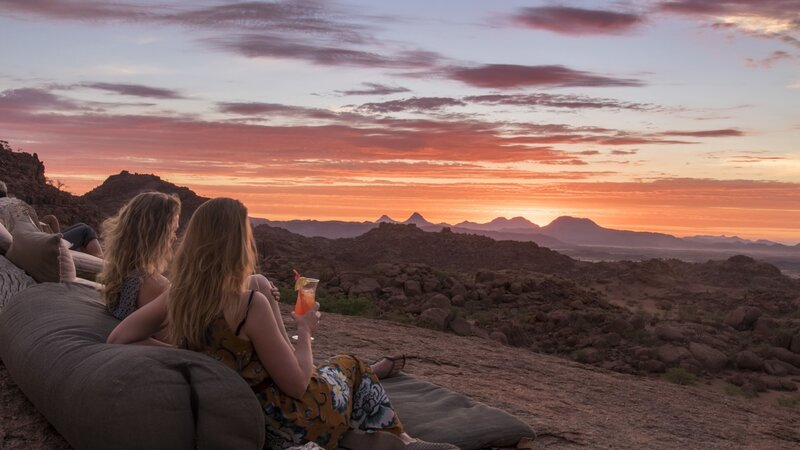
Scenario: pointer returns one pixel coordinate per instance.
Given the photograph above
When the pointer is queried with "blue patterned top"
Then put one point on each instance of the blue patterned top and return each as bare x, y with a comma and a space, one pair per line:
128, 297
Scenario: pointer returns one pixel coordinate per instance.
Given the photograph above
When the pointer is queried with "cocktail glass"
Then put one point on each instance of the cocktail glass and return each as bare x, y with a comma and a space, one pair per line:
306, 296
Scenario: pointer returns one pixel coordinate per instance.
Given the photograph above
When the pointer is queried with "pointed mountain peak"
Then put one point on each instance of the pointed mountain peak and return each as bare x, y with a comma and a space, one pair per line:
385, 219
416, 219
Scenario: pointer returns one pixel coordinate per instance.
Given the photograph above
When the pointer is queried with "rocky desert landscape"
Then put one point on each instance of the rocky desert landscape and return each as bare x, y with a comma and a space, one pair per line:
659, 353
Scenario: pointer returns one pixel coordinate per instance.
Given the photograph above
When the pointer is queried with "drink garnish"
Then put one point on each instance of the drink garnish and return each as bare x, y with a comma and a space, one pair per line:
300, 282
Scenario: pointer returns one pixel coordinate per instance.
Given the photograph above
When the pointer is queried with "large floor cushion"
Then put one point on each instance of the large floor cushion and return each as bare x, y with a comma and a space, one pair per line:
437, 414
100, 396
12, 280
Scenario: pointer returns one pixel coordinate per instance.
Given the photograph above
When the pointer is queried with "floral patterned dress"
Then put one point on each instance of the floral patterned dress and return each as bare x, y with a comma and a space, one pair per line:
343, 393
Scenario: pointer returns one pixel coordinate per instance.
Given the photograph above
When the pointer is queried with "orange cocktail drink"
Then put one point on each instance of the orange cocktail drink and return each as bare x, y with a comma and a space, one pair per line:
306, 294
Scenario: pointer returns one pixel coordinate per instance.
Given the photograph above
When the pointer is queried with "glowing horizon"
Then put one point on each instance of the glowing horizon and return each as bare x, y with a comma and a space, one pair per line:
347, 111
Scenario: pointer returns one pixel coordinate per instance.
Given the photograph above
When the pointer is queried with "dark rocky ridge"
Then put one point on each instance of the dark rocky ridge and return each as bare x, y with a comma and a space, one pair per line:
116, 190
25, 178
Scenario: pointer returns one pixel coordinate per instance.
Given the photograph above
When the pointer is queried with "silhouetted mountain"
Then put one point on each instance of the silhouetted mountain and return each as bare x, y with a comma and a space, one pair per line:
514, 225
330, 229
116, 190
513, 235
705, 239
256, 221
386, 219
25, 179
418, 220
397, 243
581, 231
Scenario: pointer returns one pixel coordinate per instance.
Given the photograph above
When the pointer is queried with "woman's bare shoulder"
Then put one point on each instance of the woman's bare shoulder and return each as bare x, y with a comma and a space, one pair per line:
152, 286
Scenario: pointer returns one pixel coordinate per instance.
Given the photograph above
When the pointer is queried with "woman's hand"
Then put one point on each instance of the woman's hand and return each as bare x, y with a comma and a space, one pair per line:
307, 323
276, 293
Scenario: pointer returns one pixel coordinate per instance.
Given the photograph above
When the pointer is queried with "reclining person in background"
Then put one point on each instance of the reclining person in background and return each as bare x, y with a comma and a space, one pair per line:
82, 237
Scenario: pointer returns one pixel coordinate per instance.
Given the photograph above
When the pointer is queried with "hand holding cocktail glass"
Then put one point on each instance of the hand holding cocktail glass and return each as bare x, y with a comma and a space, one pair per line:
306, 309
306, 293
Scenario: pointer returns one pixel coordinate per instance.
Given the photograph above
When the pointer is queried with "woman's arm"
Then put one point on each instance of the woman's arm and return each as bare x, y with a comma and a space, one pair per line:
142, 323
289, 368
261, 284
153, 286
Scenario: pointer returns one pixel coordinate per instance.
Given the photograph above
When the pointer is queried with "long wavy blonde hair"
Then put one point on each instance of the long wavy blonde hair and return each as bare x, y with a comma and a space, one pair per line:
210, 270
138, 239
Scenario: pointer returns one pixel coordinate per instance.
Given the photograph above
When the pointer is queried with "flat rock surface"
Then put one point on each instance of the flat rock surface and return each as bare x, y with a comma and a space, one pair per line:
567, 403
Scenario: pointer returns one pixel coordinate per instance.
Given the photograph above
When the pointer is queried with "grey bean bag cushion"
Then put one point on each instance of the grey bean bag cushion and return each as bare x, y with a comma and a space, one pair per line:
437, 414
100, 396
12, 280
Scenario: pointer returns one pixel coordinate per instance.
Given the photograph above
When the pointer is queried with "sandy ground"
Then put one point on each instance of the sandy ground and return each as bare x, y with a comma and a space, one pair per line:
568, 404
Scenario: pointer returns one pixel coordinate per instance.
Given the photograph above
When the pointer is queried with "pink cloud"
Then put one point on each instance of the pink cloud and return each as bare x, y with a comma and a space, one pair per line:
90, 10
135, 90
410, 104
558, 101
276, 110
772, 8
726, 132
576, 21
309, 134
786, 12
260, 45
310, 30
33, 99
375, 89
754, 159
506, 76
773, 58
304, 17
175, 137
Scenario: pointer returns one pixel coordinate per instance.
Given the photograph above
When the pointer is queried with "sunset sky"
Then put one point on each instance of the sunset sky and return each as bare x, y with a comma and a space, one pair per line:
672, 116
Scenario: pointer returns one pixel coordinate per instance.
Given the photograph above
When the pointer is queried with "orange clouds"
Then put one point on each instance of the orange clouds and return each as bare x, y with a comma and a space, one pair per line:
289, 161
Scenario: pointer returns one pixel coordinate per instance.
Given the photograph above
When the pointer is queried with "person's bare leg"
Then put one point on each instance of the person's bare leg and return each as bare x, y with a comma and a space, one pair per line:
93, 248
261, 284
388, 366
420, 444
52, 222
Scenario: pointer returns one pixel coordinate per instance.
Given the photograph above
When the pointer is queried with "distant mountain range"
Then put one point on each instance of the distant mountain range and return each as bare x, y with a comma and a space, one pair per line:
562, 233
577, 237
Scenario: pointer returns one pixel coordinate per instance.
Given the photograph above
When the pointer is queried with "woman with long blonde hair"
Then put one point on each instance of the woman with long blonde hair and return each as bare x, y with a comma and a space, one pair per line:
137, 245
212, 308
